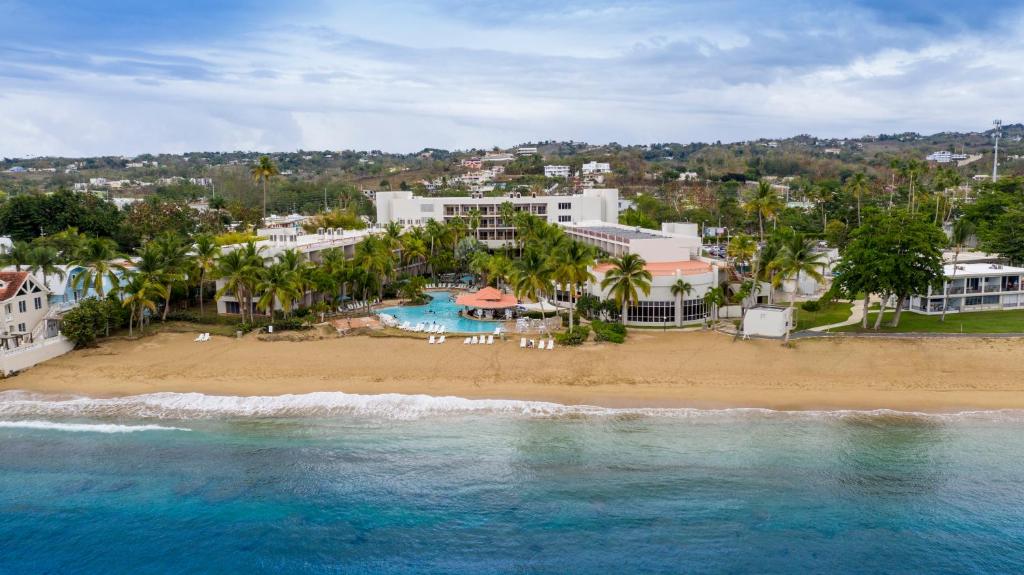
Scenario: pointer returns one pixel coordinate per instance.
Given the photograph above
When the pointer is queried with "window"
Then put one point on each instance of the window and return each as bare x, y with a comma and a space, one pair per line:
694, 309
972, 300
21, 327
564, 219
38, 303
565, 205
22, 306
653, 312
231, 307
7, 308
426, 208
990, 300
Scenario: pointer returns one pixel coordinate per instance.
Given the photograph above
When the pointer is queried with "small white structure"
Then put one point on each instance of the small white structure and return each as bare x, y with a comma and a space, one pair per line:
596, 168
767, 321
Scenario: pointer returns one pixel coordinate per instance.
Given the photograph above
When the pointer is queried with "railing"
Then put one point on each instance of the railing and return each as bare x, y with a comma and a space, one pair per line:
991, 289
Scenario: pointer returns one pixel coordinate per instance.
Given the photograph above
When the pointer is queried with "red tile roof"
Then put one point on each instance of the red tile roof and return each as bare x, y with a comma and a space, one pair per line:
487, 298
12, 281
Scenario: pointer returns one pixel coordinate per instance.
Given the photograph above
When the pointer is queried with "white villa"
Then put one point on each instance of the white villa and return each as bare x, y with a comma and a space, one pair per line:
599, 205
596, 168
556, 171
974, 287
672, 253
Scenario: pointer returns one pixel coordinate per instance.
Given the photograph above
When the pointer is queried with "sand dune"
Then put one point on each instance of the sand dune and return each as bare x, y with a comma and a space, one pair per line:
652, 369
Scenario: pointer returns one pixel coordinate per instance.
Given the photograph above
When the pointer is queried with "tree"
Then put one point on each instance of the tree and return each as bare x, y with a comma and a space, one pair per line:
376, 259
713, 299
765, 203
239, 268
571, 267
1004, 235
962, 231
797, 257
857, 186
204, 259
412, 289
97, 257
19, 254
173, 253
140, 294
532, 275
626, 279
679, 289
277, 284
44, 261
264, 170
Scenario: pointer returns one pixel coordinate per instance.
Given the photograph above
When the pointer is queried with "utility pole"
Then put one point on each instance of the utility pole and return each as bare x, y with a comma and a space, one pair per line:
997, 133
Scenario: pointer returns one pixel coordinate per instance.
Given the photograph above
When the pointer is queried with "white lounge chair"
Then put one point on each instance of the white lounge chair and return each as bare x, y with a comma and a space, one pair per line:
473, 341
198, 338
206, 336
551, 343
441, 339
522, 342
490, 340
431, 340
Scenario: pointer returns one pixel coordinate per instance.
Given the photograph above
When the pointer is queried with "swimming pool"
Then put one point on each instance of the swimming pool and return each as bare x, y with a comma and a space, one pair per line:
442, 310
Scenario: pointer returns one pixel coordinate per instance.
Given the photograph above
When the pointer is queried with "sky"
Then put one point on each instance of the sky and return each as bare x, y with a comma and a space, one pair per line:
122, 77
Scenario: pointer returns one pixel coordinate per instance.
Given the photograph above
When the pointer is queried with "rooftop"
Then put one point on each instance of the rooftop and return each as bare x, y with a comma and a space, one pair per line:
621, 233
981, 269
10, 282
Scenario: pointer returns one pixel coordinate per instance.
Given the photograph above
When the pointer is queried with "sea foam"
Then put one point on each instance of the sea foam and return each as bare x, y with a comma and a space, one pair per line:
21, 404
86, 427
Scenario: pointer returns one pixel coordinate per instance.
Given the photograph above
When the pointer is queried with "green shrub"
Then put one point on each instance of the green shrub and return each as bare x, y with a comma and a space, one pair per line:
91, 319
811, 306
539, 315
282, 324
611, 332
576, 336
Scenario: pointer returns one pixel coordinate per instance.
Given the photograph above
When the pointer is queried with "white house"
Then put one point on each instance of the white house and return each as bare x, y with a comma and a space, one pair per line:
596, 168
410, 210
974, 287
556, 171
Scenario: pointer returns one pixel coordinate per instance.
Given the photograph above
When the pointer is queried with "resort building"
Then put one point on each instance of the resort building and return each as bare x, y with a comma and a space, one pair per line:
974, 287
672, 254
599, 205
275, 240
25, 306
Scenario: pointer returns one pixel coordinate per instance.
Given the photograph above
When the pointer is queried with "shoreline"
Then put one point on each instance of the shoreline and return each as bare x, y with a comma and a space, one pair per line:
652, 370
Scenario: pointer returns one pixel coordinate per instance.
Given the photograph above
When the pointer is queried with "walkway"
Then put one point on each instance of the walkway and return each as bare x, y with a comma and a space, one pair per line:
856, 315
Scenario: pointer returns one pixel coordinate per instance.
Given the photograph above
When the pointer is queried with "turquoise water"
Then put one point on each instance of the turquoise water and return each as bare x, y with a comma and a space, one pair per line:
442, 310
330, 483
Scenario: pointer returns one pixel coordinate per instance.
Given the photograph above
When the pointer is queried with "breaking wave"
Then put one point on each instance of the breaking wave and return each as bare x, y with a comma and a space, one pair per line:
397, 406
86, 427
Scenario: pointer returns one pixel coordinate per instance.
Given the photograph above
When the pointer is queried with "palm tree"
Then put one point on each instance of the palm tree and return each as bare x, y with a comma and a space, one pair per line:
796, 257
626, 279
97, 256
140, 294
375, 257
414, 249
742, 248
571, 268
532, 277
174, 261
19, 254
204, 258
239, 269
713, 299
473, 220
679, 289
263, 170
277, 284
857, 186
499, 270
44, 261
962, 231
765, 203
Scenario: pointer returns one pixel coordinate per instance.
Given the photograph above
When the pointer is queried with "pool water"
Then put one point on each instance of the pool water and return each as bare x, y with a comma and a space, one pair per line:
441, 310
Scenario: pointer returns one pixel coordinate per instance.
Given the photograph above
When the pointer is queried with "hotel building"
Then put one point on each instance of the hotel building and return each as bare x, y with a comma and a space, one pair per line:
974, 287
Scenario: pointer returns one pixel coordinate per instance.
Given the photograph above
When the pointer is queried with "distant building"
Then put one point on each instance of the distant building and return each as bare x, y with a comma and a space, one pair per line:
99, 182
688, 177
596, 168
17, 170
526, 151
556, 171
497, 158
834, 151
944, 157
80, 187
472, 163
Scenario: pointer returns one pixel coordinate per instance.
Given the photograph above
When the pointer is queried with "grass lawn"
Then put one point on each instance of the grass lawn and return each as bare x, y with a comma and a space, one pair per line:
970, 322
829, 314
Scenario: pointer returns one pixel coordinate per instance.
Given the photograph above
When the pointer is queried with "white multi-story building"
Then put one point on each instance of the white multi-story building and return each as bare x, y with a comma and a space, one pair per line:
944, 157
671, 254
409, 210
974, 287
289, 235
555, 171
526, 150
596, 168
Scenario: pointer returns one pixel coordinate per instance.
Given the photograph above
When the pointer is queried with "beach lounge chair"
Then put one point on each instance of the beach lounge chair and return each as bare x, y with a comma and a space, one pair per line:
441, 339
490, 340
497, 330
198, 338
473, 341
522, 342
551, 343
431, 340
205, 336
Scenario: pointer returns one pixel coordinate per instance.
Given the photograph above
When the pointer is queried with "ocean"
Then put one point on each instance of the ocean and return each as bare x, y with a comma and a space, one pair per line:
336, 483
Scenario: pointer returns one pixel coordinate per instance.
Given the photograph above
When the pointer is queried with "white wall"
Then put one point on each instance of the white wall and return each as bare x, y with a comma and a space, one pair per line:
766, 322
28, 356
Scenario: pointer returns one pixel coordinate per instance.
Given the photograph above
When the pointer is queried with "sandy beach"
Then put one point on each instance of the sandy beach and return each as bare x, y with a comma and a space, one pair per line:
652, 369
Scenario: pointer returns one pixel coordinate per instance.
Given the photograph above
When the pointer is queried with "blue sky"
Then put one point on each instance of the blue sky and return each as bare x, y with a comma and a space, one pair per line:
126, 77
